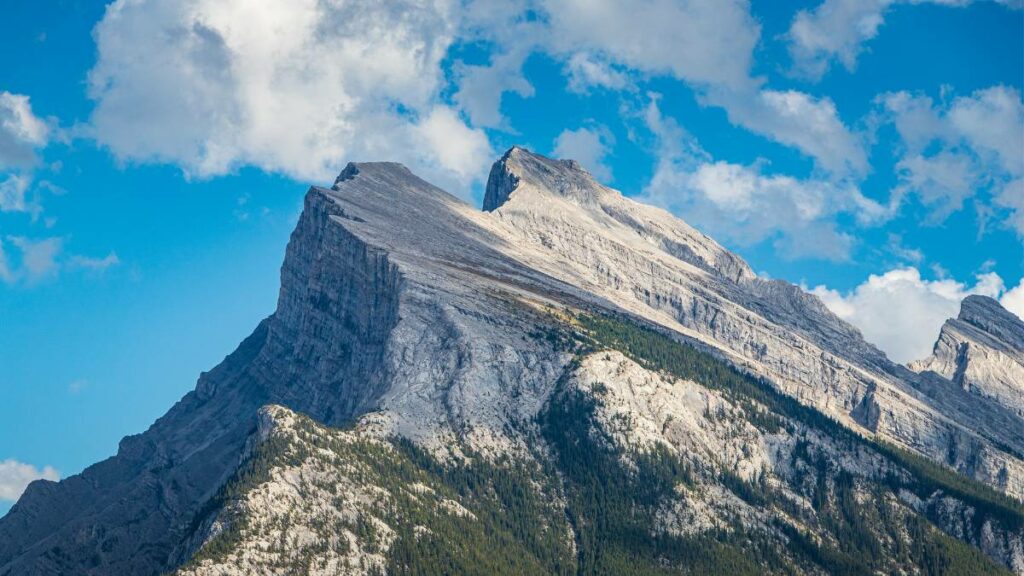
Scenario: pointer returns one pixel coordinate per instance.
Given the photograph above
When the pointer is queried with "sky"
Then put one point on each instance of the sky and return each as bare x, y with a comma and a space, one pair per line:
154, 155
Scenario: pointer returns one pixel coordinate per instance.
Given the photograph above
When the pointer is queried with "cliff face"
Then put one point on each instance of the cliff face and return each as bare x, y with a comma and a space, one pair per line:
407, 313
981, 352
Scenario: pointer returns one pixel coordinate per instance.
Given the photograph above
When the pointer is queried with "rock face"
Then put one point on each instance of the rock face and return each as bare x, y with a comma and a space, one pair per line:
981, 351
409, 314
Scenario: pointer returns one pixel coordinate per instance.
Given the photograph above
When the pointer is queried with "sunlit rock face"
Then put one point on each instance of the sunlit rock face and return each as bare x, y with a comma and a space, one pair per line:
407, 313
982, 352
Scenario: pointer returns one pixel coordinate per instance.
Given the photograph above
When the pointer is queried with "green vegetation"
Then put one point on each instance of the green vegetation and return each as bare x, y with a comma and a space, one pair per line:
613, 508
859, 527
583, 507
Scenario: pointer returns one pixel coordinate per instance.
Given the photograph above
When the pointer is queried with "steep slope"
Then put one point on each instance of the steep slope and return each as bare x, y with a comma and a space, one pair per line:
644, 260
417, 316
389, 296
982, 352
648, 472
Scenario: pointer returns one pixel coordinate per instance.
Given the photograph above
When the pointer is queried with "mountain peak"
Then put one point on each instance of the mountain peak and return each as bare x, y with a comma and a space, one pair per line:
565, 177
989, 316
977, 306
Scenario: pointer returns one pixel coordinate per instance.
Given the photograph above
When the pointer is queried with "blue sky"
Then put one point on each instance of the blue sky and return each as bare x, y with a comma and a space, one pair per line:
154, 154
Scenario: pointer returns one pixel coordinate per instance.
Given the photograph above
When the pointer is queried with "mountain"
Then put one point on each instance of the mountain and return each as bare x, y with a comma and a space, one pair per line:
565, 382
982, 352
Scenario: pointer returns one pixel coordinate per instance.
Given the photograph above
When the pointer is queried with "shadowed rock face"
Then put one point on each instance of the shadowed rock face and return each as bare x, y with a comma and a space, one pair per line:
981, 352
405, 309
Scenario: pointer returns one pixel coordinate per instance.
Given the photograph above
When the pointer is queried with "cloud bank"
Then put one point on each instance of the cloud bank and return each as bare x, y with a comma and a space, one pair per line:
16, 476
901, 312
291, 86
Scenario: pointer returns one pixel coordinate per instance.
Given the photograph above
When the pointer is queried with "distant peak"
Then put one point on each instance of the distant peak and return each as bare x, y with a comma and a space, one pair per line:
976, 307
348, 173
353, 169
564, 177
988, 314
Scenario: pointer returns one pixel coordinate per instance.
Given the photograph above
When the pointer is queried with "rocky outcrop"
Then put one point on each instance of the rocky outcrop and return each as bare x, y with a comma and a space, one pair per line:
981, 352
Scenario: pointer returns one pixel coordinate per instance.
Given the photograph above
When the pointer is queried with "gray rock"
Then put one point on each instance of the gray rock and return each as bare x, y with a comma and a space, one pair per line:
410, 312
981, 352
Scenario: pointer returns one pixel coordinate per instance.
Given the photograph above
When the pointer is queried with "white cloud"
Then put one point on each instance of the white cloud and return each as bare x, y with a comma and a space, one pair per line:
741, 205
836, 30
811, 125
12, 193
708, 44
22, 134
305, 85
481, 88
1011, 197
1013, 300
21, 131
291, 86
970, 148
586, 72
902, 313
6, 274
38, 257
943, 181
589, 147
704, 42
444, 138
991, 121
16, 476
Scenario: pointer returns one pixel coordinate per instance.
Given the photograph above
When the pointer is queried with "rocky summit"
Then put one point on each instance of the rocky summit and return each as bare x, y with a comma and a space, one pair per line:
566, 382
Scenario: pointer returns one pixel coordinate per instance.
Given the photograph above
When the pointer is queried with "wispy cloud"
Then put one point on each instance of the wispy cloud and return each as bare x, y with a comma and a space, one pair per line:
837, 30
38, 259
95, 264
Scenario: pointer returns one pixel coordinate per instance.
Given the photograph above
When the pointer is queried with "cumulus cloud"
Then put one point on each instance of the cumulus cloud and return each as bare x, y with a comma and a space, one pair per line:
442, 136
306, 85
969, 148
300, 88
743, 206
1013, 300
901, 312
836, 30
16, 476
590, 147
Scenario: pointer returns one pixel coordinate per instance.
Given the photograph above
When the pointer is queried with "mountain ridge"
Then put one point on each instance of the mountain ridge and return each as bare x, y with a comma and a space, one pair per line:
410, 314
